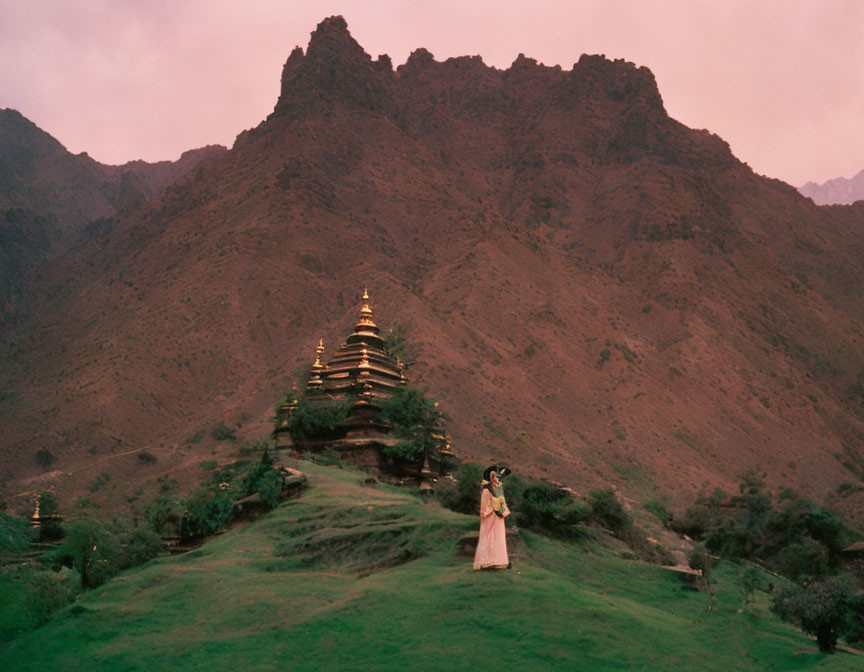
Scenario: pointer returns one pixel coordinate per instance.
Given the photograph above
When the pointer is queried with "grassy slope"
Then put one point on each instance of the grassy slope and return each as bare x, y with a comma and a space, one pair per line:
296, 590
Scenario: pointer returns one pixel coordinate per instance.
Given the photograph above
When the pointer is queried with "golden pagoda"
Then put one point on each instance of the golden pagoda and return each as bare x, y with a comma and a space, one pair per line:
361, 369
362, 358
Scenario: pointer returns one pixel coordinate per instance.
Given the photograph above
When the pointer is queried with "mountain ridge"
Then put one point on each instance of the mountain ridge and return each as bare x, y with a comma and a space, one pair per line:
599, 293
837, 191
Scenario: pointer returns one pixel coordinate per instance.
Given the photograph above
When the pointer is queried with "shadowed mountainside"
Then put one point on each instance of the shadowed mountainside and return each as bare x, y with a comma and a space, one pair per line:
49, 198
598, 292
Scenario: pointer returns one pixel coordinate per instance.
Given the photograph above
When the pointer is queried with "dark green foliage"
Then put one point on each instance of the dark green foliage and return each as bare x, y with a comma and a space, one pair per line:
551, 510
48, 593
211, 506
48, 504
146, 457
91, 551
44, 458
801, 560
822, 608
323, 420
789, 534
416, 421
536, 505
223, 432
607, 511
49, 530
196, 437
751, 580
659, 509
463, 494
165, 508
137, 546
397, 345
98, 551
327, 458
269, 487
206, 513
99, 482
209, 465
700, 560
15, 537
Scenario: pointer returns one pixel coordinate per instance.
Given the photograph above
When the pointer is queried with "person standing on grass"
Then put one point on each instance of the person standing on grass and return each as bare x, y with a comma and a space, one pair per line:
492, 544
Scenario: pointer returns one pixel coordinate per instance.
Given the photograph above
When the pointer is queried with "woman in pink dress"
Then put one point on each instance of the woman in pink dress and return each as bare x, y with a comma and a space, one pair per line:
492, 544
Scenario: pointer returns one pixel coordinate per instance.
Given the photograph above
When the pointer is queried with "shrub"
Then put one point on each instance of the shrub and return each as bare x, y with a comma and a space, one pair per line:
146, 457
551, 510
415, 419
15, 537
206, 513
44, 458
607, 511
91, 551
463, 495
659, 510
309, 421
700, 560
48, 593
223, 432
99, 482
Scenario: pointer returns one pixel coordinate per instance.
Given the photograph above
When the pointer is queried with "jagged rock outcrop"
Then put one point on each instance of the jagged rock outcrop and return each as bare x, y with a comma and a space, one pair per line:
598, 292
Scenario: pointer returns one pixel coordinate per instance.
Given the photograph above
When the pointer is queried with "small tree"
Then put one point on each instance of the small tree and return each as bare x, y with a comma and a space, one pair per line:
822, 608
91, 551
415, 419
700, 560
750, 582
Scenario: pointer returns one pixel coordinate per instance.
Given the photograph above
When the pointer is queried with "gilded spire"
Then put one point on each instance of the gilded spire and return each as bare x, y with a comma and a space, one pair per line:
317, 366
366, 321
315, 381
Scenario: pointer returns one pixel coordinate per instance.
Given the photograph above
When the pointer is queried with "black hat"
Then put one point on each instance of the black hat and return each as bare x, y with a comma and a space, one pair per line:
501, 471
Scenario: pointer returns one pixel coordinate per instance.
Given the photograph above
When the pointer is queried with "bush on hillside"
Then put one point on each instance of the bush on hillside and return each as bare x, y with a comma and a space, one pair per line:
551, 510
416, 422
223, 432
44, 458
608, 512
15, 537
309, 421
462, 494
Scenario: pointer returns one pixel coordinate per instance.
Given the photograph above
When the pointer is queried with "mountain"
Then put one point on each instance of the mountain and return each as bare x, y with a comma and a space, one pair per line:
50, 198
839, 191
597, 292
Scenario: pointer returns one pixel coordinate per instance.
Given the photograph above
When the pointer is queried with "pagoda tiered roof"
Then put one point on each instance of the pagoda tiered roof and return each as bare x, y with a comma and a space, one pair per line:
362, 363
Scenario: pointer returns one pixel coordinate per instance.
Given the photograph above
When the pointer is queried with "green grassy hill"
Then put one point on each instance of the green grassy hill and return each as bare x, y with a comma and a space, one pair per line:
348, 577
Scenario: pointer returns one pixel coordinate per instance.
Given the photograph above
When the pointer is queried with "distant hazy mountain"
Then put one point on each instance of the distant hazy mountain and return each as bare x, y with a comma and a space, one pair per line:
838, 191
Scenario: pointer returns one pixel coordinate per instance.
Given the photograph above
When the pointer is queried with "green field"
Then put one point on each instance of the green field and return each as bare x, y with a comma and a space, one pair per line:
348, 577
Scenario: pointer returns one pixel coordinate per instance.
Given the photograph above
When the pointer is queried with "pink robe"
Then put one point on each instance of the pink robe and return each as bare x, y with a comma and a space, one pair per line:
492, 544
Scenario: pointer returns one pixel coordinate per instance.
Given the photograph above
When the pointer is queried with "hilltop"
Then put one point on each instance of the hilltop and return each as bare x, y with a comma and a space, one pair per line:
596, 293
353, 577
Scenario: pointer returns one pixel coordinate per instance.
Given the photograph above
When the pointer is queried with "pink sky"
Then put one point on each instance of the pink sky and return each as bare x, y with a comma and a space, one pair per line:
781, 80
